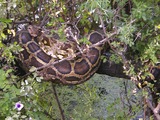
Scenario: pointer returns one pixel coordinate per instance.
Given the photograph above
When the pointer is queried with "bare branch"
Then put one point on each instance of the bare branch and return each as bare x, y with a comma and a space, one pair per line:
104, 30
157, 109
45, 19
58, 102
74, 37
22, 22
156, 113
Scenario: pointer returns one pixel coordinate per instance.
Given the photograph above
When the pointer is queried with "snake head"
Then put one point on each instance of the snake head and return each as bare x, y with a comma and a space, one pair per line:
34, 30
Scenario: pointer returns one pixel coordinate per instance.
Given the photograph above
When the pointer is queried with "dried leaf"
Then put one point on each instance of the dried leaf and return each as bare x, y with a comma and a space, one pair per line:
60, 56
32, 69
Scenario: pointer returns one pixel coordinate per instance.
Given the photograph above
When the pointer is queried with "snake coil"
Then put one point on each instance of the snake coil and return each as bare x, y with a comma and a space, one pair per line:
61, 61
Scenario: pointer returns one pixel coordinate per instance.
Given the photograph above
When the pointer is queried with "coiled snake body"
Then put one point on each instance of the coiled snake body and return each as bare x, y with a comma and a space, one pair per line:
61, 62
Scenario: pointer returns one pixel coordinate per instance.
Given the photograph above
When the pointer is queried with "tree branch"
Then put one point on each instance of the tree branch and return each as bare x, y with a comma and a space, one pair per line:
58, 102
155, 110
22, 22
45, 19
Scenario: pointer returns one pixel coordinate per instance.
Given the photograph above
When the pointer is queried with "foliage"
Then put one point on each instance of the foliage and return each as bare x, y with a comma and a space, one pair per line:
137, 28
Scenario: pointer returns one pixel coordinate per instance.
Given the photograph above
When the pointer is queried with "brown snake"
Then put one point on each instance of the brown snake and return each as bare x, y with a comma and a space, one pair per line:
61, 61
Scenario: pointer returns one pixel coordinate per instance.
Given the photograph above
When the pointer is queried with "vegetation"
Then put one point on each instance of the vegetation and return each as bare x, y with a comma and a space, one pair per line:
132, 29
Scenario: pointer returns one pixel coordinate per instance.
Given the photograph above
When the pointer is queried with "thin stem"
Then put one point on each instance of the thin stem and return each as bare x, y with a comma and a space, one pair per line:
58, 102
149, 104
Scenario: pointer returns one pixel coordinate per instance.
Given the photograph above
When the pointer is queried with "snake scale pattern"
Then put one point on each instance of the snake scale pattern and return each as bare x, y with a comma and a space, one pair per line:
61, 62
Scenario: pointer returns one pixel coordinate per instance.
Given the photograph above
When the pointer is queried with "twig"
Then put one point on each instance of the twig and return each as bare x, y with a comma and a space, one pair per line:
45, 19
117, 52
22, 22
74, 38
123, 104
126, 95
156, 113
24, 76
102, 23
104, 30
157, 109
58, 102
47, 114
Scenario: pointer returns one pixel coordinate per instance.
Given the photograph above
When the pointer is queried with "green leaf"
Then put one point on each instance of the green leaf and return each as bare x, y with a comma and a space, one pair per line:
3, 35
2, 75
4, 20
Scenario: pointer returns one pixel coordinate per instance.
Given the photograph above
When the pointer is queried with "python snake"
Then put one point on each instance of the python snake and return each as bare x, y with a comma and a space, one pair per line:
61, 62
